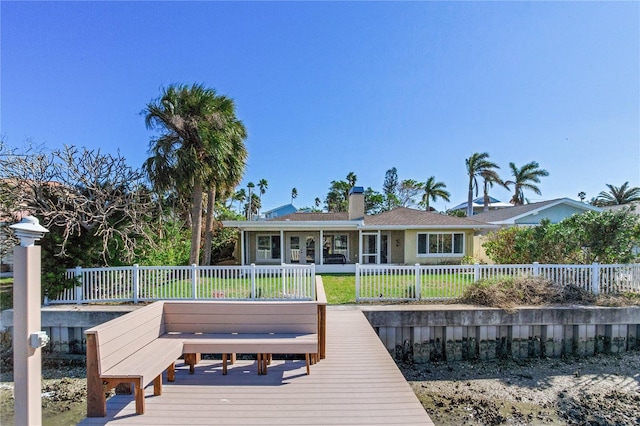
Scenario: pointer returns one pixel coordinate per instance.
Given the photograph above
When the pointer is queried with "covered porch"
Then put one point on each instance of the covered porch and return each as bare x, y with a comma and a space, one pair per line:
331, 250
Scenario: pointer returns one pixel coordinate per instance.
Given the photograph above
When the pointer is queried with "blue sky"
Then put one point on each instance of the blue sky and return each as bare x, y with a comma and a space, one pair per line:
328, 88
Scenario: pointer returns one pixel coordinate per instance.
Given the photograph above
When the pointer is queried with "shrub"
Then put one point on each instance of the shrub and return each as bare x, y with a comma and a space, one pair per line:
509, 292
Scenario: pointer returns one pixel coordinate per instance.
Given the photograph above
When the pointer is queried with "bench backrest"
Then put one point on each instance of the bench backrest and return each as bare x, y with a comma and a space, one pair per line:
240, 317
122, 336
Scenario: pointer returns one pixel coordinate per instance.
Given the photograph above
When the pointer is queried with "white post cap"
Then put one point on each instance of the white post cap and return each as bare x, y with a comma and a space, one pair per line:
29, 231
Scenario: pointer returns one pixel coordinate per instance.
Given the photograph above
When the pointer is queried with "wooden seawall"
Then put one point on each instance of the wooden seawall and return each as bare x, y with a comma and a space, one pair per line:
424, 333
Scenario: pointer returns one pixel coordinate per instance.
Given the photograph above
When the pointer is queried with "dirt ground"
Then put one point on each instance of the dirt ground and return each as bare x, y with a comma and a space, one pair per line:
601, 390
64, 392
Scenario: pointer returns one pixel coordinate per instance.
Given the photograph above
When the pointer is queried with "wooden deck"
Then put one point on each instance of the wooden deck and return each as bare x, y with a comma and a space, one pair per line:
357, 384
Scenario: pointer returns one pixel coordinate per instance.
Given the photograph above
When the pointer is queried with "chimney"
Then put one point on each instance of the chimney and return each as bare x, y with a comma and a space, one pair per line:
356, 203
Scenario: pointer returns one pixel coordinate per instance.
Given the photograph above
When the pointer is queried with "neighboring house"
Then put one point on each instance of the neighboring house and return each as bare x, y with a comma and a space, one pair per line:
336, 241
280, 211
478, 205
633, 207
527, 215
533, 213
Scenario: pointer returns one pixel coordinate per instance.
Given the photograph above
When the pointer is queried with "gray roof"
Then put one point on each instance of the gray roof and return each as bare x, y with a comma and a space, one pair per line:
403, 216
310, 217
508, 213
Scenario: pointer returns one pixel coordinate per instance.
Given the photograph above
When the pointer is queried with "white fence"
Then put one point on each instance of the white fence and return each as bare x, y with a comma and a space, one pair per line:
424, 282
148, 283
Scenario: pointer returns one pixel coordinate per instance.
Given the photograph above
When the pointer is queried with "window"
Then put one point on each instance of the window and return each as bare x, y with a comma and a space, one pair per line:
268, 247
440, 244
336, 244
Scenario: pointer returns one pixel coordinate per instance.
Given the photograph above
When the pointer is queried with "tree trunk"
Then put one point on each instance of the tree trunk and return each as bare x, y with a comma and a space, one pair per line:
196, 221
470, 199
208, 227
485, 207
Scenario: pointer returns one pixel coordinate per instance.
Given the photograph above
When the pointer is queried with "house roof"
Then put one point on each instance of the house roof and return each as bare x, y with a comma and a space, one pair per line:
311, 216
411, 218
282, 207
511, 214
494, 203
398, 218
633, 207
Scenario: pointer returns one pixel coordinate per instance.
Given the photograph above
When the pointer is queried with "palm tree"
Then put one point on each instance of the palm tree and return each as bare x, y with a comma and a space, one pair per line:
294, 194
490, 177
432, 191
351, 179
249, 211
240, 196
618, 195
476, 164
525, 178
582, 195
263, 184
186, 153
252, 206
226, 176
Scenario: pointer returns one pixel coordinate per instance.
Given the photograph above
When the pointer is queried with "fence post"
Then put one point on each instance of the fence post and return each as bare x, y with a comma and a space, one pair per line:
418, 274
476, 272
253, 280
536, 269
313, 281
357, 282
78, 289
194, 281
284, 280
135, 277
595, 278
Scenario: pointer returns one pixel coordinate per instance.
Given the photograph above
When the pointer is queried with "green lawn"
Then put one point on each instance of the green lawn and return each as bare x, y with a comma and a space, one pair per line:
6, 293
340, 288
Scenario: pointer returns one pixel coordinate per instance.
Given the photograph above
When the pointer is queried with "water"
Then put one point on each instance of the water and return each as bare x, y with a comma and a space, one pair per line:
76, 413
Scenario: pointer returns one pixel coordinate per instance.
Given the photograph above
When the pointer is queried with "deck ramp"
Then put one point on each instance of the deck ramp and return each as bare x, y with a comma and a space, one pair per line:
357, 384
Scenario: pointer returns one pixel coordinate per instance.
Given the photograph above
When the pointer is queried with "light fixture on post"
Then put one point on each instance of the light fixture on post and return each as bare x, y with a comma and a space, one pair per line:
28, 339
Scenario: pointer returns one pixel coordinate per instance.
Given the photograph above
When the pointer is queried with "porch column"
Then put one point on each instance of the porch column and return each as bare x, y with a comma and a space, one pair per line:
282, 258
378, 248
242, 248
321, 246
360, 246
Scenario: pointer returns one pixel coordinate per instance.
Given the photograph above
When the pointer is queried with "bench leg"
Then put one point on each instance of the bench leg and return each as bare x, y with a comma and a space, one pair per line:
171, 372
233, 358
306, 358
138, 391
157, 385
224, 364
96, 398
262, 364
191, 360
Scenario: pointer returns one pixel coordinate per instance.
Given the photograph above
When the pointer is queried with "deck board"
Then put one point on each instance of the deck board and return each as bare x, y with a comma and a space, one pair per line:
357, 384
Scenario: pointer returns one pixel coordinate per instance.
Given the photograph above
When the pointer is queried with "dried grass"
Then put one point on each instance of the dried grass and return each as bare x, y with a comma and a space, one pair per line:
508, 293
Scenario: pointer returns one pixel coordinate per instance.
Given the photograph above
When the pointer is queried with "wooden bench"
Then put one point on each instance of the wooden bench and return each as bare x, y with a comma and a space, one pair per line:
128, 350
225, 327
138, 347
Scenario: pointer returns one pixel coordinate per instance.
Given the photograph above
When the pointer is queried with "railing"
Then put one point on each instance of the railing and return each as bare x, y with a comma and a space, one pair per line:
148, 283
424, 282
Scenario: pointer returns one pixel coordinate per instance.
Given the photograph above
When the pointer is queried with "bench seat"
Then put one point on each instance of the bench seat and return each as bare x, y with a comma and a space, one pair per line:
220, 343
146, 362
